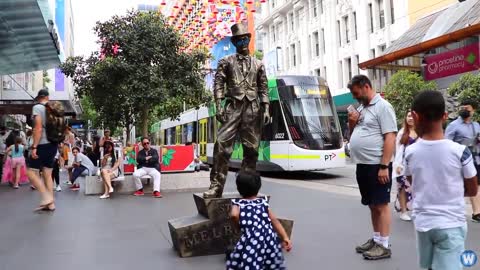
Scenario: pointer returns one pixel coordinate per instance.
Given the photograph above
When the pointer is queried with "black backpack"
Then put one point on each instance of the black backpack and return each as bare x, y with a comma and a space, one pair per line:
55, 122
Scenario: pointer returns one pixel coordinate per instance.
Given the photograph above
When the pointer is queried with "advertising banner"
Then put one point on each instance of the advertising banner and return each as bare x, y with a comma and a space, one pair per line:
452, 62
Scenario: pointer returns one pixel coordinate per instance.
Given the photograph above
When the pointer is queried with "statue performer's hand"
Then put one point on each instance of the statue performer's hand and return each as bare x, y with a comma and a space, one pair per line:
220, 112
266, 115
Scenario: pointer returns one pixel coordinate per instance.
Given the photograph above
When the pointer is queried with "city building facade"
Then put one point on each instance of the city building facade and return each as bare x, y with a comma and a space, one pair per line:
18, 90
329, 38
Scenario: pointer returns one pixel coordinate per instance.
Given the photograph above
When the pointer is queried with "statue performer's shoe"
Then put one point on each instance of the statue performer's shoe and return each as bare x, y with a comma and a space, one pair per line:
214, 192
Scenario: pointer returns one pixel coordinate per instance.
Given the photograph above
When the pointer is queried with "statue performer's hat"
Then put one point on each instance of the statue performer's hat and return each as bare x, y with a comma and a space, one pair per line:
239, 30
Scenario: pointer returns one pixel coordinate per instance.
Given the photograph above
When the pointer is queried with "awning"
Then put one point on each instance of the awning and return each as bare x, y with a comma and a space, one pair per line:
28, 39
343, 101
453, 24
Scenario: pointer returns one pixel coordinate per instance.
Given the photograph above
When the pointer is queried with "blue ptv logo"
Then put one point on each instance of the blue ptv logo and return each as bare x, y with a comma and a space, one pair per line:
468, 258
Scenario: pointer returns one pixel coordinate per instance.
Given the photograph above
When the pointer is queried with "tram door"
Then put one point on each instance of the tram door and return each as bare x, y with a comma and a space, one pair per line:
203, 140
178, 135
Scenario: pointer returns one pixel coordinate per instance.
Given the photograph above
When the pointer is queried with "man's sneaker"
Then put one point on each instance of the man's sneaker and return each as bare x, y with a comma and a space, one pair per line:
75, 187
67, 182
405, 217
139, 193
157, 194
377, 252
58, 189
476, 218
366, 246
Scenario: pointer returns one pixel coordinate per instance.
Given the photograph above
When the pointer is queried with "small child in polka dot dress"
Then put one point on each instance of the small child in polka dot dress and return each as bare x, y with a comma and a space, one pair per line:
259, 246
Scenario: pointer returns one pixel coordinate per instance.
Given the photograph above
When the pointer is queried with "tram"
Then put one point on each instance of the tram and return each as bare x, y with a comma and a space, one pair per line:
304, 133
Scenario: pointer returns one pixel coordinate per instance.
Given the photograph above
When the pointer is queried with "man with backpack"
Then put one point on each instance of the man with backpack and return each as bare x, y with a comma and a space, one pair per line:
48, 131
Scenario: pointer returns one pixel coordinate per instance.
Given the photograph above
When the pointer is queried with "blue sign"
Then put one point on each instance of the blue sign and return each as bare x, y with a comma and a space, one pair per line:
468, 258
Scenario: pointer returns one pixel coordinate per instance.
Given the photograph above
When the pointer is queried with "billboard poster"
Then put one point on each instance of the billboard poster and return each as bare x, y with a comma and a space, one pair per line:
452, 62
60, 23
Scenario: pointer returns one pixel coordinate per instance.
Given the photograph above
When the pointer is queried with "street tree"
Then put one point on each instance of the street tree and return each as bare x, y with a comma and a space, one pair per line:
467, 87
402, 88
143, 65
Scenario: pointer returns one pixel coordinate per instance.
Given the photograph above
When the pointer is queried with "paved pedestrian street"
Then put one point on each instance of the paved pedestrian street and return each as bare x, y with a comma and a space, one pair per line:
128, 233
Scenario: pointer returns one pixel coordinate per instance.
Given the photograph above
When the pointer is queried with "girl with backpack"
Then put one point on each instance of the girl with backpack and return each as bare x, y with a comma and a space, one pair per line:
14, 171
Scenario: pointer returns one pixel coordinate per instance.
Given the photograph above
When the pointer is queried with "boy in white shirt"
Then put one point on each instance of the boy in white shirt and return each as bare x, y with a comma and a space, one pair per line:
442, 172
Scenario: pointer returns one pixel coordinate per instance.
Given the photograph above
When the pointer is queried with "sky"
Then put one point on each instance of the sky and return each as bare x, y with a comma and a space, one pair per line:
87, 12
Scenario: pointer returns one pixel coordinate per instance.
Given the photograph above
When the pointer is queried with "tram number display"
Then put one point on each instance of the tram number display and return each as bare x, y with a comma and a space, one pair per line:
279, 136
306, 91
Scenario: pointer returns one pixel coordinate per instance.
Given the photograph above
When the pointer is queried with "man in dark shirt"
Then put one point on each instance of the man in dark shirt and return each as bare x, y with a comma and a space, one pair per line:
147, 164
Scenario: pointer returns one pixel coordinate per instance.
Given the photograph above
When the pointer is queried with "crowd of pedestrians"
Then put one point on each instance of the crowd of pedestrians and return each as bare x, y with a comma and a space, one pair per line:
434, 171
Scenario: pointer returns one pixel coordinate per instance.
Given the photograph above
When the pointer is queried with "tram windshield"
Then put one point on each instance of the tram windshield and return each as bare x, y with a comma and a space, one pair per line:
311, 117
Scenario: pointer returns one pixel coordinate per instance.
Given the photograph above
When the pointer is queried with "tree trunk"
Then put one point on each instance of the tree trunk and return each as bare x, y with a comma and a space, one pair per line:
127, 140
145, 121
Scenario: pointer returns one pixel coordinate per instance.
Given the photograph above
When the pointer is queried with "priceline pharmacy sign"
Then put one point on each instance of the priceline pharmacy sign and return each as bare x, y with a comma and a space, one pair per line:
452, 62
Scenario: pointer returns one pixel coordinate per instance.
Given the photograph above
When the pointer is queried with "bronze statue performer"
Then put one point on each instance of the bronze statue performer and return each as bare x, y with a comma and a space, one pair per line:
242, 81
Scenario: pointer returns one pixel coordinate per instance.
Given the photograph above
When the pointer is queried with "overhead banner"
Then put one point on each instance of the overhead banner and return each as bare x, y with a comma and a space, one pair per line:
452, 62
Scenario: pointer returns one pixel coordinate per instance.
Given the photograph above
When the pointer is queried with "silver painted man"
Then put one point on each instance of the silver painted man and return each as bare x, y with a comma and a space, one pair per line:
242, 81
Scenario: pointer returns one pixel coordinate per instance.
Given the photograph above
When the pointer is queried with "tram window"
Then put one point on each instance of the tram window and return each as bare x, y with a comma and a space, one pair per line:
211, 130
275, 131
194, 132
173, 133
185, 134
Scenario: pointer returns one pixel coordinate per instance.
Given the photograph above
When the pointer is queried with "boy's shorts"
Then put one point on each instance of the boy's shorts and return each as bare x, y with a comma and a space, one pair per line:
440, 249
372, 191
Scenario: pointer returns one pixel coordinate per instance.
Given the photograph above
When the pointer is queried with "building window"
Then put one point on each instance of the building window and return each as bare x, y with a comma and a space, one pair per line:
374, 71
357, 58
355, 24
317, 72
392, 12
288, 58
274, 30
382, 48
299, 52
325, 72
294, 55
320, 5
339, 34
340, 74
315, 11
381, 12
347, 29
292, 23
280, 31
350, 68
370, 14
316, 40
323, 40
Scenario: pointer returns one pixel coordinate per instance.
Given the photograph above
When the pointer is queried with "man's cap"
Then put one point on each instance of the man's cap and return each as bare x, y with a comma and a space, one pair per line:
42, 93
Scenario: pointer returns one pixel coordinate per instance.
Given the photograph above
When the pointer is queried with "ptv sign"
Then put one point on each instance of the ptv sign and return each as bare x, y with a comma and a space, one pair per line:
330, 157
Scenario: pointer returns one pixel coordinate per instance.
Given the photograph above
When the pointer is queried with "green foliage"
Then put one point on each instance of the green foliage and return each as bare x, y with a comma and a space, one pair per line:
149, 70
402, 88
467, 87
258, 55
89, 112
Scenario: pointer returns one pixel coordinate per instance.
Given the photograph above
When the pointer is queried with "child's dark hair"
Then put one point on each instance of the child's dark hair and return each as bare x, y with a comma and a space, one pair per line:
248, 184
430, 105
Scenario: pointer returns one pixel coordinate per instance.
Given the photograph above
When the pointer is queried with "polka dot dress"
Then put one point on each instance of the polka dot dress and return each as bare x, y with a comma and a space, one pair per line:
259, 246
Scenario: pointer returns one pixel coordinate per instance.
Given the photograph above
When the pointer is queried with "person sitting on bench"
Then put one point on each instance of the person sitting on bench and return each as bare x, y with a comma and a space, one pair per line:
110, 168
148, 164
82, 165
